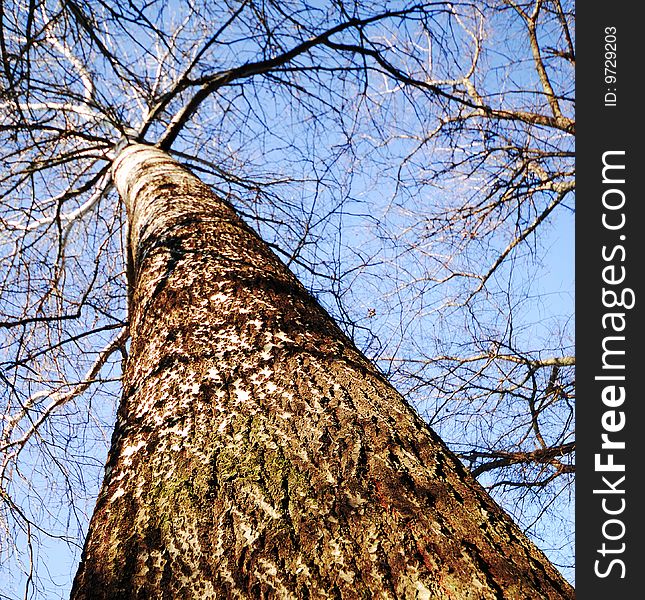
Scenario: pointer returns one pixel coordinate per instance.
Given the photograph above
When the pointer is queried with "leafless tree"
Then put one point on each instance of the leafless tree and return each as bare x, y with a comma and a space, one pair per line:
407, 161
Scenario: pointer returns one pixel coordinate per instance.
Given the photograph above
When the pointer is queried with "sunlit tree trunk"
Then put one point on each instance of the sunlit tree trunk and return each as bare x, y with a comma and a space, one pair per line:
257, 453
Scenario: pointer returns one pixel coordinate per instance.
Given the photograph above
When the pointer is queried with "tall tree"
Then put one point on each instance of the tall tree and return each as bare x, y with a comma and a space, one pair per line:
410, 163
258, 453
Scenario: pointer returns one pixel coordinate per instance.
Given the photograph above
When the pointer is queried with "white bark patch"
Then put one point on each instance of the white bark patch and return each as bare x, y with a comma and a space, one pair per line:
219, 297
120, 492
130, 450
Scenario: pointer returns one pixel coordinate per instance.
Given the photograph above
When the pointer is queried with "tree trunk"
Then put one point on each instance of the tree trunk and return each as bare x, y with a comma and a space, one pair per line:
257, 452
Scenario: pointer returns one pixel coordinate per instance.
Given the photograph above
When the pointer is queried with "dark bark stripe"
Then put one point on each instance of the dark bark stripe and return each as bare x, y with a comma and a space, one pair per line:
257, 453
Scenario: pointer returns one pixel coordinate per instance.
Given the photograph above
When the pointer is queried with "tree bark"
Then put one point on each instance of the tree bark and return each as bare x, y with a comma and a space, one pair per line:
257, 452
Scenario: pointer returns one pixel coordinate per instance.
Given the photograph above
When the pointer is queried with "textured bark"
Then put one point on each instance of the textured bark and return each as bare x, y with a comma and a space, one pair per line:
257, 452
